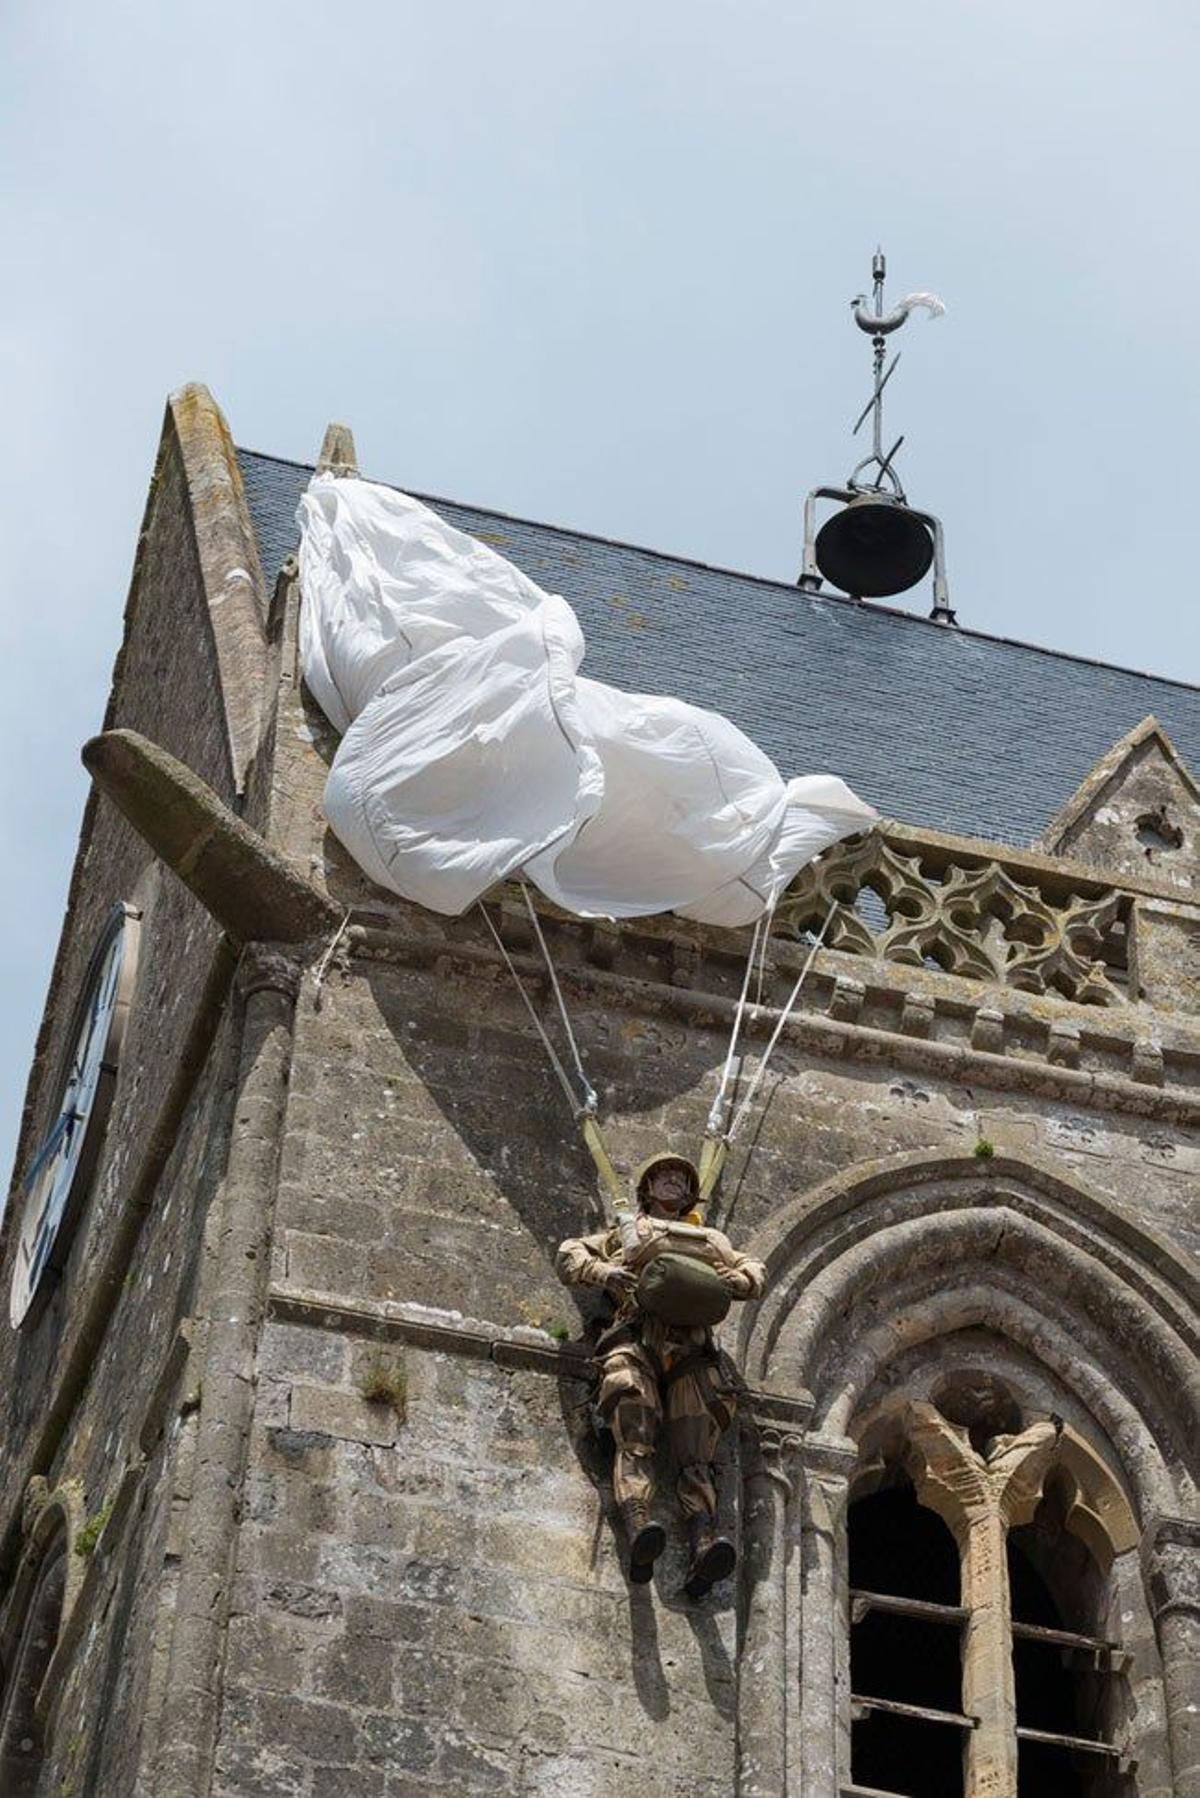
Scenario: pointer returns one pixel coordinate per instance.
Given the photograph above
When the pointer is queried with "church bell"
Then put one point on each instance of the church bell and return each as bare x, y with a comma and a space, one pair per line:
873, 547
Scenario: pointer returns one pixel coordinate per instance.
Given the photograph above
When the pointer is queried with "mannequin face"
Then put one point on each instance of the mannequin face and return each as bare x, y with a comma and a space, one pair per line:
670, 1191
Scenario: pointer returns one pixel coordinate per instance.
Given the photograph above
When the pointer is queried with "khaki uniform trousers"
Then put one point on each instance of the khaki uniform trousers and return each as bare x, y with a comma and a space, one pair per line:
672, 1373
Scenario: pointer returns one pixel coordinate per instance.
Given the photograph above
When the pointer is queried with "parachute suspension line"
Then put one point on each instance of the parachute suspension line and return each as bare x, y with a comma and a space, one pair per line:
744, 1108
590, 1100
583, 1111
572, 1098
322, 967
716, 1116
768, 926
716, 1140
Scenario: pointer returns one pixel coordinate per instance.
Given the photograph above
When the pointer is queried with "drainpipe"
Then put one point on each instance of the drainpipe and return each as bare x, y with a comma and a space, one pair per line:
268, 980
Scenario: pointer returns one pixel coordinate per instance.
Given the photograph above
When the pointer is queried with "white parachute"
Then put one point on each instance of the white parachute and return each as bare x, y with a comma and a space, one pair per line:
473, 749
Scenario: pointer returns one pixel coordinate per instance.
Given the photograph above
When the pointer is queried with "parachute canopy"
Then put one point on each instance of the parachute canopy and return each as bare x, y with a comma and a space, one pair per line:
473, 749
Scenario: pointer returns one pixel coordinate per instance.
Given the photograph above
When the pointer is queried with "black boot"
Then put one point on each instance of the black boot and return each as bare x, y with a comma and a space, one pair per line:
713, 1557
647, 1540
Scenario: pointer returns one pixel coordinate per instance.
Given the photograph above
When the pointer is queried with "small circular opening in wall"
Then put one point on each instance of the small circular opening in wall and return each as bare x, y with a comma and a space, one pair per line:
981, 1404
1158, 830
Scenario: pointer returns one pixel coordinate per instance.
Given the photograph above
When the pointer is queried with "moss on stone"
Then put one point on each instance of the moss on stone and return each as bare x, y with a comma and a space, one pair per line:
385, 1383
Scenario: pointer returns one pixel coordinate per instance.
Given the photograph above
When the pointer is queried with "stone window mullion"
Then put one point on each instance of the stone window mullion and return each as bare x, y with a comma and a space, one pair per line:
1031, 1521
981, 1500
989, 1691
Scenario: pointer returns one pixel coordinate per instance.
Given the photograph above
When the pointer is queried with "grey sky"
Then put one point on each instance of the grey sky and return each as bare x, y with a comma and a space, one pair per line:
591, 264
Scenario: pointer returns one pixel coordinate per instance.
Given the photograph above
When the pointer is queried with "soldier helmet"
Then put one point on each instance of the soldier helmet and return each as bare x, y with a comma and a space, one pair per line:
641, 1180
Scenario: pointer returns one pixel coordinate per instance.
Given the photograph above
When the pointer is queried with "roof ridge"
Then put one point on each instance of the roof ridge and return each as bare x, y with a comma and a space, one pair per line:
760, 580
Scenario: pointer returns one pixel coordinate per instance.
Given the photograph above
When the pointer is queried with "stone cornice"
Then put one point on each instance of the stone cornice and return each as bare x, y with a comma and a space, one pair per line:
449, 1333
442, 1332
929, 1022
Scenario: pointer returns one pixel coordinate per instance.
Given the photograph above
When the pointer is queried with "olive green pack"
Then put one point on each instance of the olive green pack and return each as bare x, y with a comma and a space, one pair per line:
681, 1290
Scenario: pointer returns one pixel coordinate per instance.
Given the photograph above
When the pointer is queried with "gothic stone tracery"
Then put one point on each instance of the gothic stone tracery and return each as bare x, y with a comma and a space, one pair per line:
970, 917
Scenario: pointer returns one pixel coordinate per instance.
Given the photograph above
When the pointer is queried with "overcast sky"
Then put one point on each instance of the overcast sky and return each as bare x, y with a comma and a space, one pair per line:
591, 264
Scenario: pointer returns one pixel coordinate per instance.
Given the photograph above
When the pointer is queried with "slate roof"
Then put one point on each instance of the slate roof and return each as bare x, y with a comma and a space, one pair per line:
934, 725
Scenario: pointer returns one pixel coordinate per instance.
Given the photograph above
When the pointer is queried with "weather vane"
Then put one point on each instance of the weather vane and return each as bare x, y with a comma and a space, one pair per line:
879, 325
877, 545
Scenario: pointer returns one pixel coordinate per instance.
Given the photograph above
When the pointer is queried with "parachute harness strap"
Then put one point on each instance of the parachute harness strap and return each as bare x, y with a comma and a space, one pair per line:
744, 1108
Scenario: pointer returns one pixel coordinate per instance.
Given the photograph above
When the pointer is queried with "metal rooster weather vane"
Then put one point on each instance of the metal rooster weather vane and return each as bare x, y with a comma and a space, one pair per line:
879, 326
878, 544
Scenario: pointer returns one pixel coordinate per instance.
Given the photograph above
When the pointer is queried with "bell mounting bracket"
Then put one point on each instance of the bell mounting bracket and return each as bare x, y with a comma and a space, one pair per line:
810, 575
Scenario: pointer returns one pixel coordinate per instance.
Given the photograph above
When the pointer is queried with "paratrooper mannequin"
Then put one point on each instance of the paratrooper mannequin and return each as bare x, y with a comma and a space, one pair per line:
671, 1279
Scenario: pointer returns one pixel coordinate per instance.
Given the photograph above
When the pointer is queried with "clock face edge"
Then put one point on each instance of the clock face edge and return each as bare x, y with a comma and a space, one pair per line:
55, 1191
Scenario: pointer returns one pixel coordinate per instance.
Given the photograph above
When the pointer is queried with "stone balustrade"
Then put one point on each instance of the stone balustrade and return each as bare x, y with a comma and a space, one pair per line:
972, 909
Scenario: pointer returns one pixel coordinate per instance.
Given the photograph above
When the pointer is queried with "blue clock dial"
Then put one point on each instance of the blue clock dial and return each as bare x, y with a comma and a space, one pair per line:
59, 1173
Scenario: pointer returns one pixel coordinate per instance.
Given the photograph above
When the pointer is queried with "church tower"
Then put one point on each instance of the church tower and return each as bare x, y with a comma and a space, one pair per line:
301, 1486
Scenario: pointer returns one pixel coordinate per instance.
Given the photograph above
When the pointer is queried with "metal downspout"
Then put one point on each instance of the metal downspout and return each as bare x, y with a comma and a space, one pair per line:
268, 980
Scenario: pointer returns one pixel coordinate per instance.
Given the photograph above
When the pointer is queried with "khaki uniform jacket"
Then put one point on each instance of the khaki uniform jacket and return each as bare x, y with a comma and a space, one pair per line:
588, 1260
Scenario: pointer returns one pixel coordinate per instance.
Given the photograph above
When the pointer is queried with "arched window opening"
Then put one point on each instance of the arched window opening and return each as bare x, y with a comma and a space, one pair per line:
905, 1647
22, 1750
1067, 1671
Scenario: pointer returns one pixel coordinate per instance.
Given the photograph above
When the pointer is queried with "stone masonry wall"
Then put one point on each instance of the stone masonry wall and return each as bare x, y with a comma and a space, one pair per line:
434, 1601
128, 1425
430, 1595
429, 1154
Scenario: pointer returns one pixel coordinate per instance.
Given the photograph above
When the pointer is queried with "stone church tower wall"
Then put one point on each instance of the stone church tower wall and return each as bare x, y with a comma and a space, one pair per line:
309, 1399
